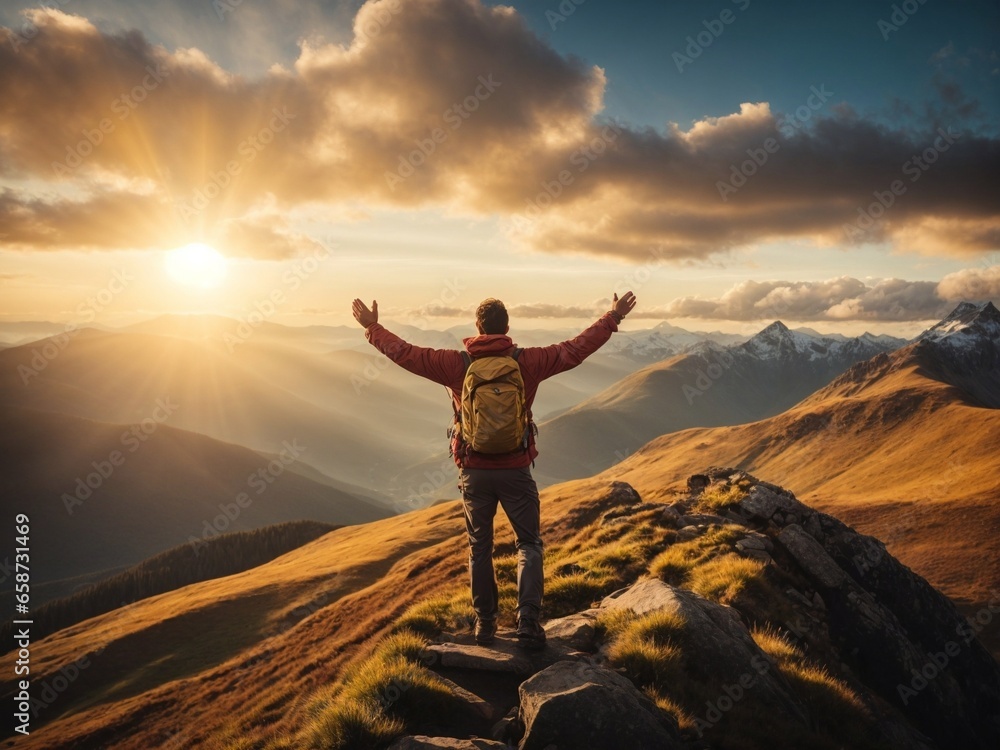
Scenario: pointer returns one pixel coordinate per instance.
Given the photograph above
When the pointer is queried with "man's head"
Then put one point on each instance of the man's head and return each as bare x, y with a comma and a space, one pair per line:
491, 317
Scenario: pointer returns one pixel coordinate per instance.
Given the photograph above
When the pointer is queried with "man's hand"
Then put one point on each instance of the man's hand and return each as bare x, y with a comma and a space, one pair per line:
365, 316
624, 305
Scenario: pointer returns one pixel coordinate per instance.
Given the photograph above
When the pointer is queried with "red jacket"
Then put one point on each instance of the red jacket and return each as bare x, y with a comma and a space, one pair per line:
447, 367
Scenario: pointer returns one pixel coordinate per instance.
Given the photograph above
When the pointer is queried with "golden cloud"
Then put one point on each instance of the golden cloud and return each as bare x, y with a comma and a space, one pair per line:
445, 103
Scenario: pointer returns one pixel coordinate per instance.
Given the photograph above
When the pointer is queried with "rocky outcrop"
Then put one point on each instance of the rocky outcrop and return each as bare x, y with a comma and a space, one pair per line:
902, 637
920, 678
575, 704
725, 653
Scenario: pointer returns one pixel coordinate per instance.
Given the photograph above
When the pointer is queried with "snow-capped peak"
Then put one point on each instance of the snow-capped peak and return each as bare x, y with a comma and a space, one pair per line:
966, 326
777, 341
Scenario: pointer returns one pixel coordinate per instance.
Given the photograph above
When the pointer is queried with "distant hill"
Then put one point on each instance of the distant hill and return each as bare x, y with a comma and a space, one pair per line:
710, 385
170, 486
214, 557
258, 396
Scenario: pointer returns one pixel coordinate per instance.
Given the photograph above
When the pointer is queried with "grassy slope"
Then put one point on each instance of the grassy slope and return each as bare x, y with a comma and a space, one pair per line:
904, 459
276, 632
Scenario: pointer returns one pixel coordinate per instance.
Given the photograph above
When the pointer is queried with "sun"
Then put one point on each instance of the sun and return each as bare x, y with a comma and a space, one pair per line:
197, 265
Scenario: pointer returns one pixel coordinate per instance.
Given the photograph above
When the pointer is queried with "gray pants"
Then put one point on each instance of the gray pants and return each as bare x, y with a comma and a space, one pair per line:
516, 491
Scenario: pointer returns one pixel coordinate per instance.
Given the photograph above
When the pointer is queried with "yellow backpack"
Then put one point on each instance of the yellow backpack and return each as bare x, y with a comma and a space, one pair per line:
494, 417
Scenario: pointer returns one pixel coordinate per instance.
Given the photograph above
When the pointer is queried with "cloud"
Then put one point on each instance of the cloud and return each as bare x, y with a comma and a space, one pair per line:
454, 104
534, 310
843, 298
548, 310
972, 284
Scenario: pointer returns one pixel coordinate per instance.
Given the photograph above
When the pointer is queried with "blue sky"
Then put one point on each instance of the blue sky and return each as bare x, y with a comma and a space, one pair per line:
775, 52
686, 124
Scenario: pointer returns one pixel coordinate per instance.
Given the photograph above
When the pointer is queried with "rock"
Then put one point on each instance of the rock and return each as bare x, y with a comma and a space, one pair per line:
623, 494
702, 519
647, 595
698, 482
464, 656
757, 541
763, 502
724, 651
577, 629
577, 705
476, 705
798, 596
688, 533
757, 554
811, 556
510, 729
419, 742
670, 516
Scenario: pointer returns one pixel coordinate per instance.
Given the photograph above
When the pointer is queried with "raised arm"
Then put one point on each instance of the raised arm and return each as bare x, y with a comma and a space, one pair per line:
444, 366
551, 360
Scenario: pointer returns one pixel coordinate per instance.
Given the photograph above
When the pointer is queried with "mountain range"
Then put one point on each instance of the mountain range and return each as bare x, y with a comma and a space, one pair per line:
104, 496
709, 385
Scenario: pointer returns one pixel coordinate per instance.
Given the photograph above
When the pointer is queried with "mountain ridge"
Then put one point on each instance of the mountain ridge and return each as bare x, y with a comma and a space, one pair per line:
108, 495
708, 386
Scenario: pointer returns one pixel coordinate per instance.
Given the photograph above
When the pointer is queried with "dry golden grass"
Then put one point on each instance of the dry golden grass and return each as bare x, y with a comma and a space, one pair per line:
378, 698
451, 610
648, 647
676, 563
837, 709
723, 578
719, 496
685, 722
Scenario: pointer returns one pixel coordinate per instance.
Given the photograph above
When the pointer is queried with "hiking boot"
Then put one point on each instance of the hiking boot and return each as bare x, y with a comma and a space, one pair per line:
530, 633
485, 630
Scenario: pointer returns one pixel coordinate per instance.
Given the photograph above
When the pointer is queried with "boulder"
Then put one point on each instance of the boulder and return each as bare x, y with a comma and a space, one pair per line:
473, 702
577, 629
756, 554
509, 729
578, 705
419, 742
721, 647
688, 533
701, 519
763, 502
755, 540
811, 557
464, 656
670, 516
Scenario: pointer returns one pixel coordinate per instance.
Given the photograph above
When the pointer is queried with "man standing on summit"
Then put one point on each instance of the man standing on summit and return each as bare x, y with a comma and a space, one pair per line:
492, 385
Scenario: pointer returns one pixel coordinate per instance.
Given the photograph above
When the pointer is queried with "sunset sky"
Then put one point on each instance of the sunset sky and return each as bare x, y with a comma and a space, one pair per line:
730, 161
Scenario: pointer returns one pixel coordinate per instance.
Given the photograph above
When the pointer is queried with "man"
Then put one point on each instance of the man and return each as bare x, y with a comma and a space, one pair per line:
486, 479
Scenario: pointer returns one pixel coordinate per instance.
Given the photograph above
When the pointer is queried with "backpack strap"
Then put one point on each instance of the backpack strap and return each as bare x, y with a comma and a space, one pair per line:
516, 353
466, 358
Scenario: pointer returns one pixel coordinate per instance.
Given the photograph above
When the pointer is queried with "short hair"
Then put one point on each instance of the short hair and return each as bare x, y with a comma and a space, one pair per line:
491, 316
